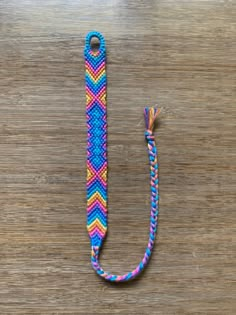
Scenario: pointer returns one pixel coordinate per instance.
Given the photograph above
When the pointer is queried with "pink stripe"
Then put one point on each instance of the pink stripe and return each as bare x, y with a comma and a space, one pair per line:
95, 98
96, 231
98, 69
94, 178
96, 203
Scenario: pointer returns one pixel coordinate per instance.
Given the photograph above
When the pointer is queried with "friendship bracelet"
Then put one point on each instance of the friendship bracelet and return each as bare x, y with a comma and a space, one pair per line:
95, 79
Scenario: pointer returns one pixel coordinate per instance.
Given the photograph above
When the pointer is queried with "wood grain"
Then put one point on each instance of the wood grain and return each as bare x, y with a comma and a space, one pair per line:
179, 54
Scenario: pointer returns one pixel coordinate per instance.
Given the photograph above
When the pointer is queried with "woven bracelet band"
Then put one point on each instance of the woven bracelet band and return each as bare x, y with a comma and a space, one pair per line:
95, 80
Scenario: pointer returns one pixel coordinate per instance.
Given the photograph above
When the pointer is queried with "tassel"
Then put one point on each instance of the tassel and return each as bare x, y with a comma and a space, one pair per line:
150, 114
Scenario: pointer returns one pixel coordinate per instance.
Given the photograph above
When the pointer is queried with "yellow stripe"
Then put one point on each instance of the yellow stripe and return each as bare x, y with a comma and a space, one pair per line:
94, 197
89, 174
95, 78
104, 173
96, 223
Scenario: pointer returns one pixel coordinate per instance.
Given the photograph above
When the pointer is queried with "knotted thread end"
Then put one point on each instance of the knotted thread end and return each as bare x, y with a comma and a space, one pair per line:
150, 114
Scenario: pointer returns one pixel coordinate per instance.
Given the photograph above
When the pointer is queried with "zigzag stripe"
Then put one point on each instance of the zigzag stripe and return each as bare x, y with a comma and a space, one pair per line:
96, 63
96, 234
96, 224
96, 198
93, 181
96, 213
96, 206
99, 81
96, 189
92, 73
94, 77
96, 66
92, 219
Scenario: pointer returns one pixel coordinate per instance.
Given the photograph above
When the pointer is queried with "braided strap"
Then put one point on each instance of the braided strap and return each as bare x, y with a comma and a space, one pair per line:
95, 77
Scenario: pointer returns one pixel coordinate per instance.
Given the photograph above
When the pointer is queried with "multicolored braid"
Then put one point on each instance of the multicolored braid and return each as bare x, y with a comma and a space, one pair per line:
95, 77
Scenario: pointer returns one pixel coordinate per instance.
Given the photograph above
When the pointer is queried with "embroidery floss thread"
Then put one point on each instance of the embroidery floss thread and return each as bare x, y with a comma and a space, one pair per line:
95, 80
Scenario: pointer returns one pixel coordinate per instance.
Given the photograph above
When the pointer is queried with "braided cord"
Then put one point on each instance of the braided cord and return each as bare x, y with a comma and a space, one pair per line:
95, 77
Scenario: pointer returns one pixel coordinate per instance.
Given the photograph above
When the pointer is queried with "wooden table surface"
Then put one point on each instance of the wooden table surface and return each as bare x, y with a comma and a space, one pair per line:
178, 54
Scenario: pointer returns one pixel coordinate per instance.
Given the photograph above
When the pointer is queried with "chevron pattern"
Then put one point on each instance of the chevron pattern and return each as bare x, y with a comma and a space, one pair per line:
95, 79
